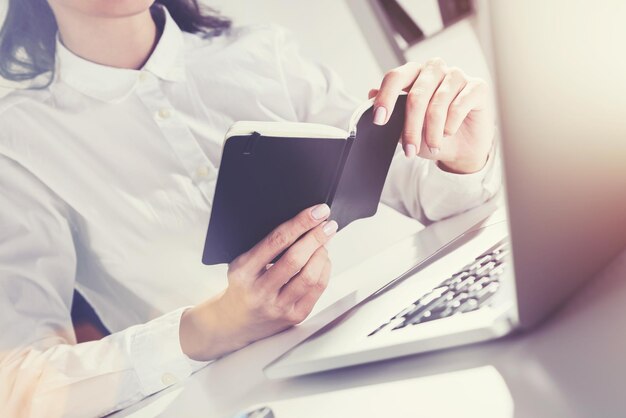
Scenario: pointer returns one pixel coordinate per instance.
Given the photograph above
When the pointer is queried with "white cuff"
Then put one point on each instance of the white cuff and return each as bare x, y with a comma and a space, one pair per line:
461, 180
445, 194
157, 356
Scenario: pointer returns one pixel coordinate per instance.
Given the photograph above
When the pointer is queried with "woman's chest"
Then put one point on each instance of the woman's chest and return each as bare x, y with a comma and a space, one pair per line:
139, 174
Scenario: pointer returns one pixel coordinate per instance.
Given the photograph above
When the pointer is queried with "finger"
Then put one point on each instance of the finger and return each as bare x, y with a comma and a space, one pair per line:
306, 280
372, 93
392, 85
437, 112
417, 102
255, 260
474, 96
296, 258
305, 305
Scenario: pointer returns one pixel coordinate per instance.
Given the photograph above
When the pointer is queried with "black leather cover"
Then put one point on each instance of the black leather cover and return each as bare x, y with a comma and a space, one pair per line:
264, 181
361, 183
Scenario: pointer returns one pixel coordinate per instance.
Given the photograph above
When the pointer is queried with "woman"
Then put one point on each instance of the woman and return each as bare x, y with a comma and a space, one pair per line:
108, 166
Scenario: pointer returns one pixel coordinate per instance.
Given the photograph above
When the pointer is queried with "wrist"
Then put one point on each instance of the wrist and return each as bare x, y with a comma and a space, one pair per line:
463, 166
202, 335
191, 334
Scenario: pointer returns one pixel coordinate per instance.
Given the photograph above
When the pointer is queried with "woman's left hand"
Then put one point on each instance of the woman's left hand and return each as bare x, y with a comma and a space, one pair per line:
449, 116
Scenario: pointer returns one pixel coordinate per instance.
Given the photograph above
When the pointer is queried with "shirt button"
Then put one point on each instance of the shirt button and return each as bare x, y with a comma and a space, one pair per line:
143, 76
202, 171
168, 379
164, 113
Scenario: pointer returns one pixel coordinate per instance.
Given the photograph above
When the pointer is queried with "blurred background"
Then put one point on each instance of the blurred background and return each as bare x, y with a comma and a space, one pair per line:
361, 39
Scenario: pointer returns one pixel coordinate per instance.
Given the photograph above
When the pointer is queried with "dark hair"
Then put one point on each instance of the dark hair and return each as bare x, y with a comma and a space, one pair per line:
27, 37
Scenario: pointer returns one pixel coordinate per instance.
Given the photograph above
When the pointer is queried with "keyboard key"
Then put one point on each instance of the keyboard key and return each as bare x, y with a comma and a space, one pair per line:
468, 306
485, 268
474, 266
440, 311
455, 280
486, 293
428, 316
501, 255
497, 271
459, 299
479, 284
449, 311
465, 284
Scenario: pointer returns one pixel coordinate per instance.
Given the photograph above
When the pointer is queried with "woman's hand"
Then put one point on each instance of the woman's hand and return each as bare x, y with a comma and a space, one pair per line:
263, 299
449, 116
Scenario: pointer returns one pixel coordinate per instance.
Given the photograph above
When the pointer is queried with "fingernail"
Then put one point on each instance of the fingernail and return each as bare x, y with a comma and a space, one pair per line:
330, 228
434, 150
410, 150
380, 115
320, 211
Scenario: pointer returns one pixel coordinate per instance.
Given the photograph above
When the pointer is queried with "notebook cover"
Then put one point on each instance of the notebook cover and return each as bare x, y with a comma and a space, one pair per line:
264, 181
365, 171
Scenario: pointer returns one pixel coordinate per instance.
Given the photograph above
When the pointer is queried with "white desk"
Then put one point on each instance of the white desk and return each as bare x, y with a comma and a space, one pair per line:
572, 366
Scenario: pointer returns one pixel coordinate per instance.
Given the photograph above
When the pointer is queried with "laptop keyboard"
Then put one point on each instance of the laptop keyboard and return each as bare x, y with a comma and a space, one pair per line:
467, 290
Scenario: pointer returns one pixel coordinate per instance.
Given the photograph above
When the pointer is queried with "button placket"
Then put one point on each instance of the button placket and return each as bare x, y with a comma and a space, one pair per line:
179, 137
168, 379
202, 172
164, 113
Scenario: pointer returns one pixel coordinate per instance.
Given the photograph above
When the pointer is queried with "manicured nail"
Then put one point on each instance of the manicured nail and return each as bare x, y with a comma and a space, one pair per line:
330, 228
410, 151
434, 150
320, 211
380, 115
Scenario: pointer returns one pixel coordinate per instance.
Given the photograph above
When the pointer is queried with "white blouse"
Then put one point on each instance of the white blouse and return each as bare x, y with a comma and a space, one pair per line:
106, 183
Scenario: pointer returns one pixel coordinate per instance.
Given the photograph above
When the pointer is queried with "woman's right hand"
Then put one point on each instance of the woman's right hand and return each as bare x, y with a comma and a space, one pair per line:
263, 299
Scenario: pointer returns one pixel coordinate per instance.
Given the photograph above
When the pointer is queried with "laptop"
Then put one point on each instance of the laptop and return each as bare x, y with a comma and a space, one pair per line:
561, 84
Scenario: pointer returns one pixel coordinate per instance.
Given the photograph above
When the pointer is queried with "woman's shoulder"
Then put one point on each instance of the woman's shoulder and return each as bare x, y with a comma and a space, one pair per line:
20, 99
261, 32
256, 38
19, 111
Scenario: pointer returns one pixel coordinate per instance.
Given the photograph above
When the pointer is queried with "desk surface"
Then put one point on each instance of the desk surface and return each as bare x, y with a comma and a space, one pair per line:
572, 366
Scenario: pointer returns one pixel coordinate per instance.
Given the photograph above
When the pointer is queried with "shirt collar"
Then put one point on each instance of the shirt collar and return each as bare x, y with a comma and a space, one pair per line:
113, 84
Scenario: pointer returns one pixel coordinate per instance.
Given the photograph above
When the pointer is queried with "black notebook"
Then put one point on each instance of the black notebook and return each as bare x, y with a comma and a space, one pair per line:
270, 171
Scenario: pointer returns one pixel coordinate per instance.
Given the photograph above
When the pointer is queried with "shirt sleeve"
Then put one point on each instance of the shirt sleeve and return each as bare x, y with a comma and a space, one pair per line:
43, 371
416, 187
421, 189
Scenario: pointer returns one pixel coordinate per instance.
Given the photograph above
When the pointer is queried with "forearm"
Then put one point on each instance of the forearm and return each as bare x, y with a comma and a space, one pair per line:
51, 377
207, 334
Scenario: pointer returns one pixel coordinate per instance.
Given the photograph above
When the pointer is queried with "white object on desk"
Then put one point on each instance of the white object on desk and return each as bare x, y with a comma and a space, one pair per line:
479, 392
